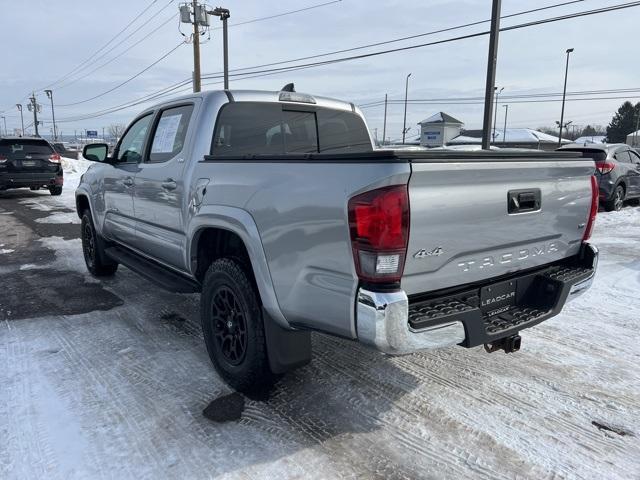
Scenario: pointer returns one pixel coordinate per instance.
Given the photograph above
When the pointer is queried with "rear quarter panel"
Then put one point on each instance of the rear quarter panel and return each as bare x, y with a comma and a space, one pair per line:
300, 209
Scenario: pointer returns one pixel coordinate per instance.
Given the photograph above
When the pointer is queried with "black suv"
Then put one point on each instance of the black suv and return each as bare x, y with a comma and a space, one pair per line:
30, 162
617, 170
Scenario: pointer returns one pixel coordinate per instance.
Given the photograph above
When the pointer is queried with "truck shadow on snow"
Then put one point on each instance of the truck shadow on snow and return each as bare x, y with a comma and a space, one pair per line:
345, 391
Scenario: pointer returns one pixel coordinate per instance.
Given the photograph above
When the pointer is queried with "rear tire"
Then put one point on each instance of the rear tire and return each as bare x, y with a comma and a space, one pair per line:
55, 191
92, 248
233, 328
617, 200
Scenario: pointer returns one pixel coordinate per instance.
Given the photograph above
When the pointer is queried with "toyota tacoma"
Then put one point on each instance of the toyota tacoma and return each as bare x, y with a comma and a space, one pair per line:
278, 210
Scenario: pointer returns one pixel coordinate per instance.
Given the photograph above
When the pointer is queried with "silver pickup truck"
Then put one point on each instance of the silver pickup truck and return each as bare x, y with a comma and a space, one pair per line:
277, 209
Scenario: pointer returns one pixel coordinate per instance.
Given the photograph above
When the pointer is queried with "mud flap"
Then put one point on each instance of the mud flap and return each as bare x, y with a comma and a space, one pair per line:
286, 349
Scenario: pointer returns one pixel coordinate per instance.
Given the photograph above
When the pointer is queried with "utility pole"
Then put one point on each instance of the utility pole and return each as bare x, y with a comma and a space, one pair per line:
404, 124
21, 117
34, 107
196, 48
564, 94
495, 114
384, 125
224, 14
504, 132
53, 114
492, 61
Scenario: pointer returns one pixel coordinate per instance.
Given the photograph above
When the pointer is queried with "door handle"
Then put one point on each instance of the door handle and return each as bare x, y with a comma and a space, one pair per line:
169, 184
128, 182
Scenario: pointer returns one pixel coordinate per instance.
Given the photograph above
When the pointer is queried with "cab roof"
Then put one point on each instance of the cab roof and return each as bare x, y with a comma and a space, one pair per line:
266, 96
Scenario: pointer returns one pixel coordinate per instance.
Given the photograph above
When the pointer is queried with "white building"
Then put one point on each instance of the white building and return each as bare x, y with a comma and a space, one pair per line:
439, 129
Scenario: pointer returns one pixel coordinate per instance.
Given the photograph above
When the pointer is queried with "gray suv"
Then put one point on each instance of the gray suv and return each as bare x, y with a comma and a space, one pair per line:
617, 171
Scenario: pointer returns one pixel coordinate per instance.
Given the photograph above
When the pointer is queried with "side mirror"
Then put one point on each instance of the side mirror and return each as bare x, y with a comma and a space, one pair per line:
96, 152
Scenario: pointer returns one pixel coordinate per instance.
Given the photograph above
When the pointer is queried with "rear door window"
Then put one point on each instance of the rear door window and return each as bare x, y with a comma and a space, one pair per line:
249, 128
623, 156
22, 148
170, 133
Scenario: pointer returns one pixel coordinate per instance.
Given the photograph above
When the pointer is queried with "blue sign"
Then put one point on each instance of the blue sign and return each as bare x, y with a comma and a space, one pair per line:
92, 133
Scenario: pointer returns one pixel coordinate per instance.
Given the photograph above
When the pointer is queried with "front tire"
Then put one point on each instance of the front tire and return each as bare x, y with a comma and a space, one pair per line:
617, 200
233, 328
92, 248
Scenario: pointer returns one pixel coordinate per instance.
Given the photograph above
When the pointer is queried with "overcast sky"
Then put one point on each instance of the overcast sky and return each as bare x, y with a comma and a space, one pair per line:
45, 40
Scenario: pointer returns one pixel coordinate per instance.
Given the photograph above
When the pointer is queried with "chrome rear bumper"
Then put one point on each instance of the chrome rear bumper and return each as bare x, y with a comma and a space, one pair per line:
383, 324
384, 319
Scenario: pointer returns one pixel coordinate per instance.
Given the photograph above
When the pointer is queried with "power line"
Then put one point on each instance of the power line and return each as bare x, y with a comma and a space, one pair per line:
169, 19
395, 40
503, 97
104, 46
255, 74
270, 17
126, 81
71, 81
550, 100
447, 40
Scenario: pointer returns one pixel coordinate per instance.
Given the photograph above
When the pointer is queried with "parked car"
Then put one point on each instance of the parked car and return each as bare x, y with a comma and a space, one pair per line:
61, 148
30, 162
276, 207
617, 171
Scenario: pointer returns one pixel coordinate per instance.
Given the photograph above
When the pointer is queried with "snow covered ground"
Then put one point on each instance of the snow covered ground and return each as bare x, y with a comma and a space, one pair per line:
109, 379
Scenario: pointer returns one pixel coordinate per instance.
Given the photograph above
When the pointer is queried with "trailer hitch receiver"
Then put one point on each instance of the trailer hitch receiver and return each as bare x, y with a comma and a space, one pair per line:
508, 344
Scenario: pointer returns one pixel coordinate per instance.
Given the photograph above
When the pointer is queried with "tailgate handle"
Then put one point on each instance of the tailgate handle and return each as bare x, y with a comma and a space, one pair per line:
521, 201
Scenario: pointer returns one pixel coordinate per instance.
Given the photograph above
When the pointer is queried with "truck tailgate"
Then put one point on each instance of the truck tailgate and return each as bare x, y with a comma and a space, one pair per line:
480, 218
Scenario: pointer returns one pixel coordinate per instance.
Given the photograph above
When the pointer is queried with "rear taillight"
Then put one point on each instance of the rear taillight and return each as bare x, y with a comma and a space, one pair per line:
54, 158
379, 225
3, 159
605, 167
593, 212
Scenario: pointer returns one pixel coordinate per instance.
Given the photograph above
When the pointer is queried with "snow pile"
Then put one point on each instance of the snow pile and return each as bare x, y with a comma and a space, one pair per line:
72, 165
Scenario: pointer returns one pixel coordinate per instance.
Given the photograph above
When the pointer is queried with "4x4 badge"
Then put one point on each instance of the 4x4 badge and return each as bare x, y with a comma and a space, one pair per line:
422, 253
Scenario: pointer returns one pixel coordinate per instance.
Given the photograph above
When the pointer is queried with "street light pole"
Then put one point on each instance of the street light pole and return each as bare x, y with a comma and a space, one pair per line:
224, 14
53, 114
404, 123
492, 61
384, 125
564, 94
21, 117
504, 132
495, 114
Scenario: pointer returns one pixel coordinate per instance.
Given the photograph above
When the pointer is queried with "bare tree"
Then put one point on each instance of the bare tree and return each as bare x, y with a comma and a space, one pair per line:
116, 130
